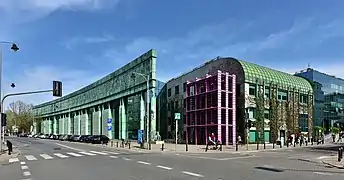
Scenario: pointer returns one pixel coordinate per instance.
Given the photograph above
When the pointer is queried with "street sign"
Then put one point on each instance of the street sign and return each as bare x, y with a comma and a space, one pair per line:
109, 120
140, 136
109, 128
177, 116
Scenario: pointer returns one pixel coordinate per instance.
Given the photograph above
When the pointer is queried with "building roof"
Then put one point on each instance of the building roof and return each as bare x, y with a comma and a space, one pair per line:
253, 72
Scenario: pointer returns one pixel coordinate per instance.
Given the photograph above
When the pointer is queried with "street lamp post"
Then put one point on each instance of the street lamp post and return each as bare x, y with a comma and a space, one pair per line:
146, 77
15, 48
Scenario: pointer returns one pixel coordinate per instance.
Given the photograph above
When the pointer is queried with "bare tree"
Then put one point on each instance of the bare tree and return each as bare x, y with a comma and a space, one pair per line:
20, 114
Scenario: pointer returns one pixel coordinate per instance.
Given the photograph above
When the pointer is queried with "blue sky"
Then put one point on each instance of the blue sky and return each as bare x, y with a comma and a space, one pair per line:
79, 41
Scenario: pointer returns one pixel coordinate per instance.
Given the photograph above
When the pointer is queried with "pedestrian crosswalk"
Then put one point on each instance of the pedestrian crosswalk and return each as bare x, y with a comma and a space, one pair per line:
60, 156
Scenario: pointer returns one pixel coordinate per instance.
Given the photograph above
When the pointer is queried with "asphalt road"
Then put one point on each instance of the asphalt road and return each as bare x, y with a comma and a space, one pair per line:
56, 160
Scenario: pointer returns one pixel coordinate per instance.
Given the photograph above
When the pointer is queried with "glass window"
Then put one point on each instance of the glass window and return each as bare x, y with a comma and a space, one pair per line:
169, 92
267, 92
252, 90
267, 114
184, 87
303, 98
176, 90
251, 113
282, 95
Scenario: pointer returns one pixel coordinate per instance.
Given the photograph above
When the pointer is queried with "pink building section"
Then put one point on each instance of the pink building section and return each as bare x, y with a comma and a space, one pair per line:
211, 108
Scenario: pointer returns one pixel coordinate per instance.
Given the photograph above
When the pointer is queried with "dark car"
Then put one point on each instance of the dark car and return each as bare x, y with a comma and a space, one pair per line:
83, 138
100, 139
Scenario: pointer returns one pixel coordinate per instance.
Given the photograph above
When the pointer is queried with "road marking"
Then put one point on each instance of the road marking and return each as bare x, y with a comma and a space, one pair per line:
127, 159
46, 156
101, 153
321, 173
192, 174
115, 153
30, 158
60, 155
142, 162
75, 154
69, 147
164, 167
22, 163
24, 167
233, 158
86, 153
12, 160
26, 173
324, 157
115, 157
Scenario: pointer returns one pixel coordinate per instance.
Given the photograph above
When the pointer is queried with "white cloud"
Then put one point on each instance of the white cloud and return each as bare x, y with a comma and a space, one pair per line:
74, 41
41, 77
18, 11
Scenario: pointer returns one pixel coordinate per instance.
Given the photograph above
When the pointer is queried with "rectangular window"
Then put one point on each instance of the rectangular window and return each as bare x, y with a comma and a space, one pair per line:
303, 99
267, 92
267, 114
184, 87
251, 113
169, 92
282, 95
252, 90
176, 90
192, 91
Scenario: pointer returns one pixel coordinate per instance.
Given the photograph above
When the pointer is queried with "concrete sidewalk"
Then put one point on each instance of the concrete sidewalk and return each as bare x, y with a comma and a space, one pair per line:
333, 162
5, 157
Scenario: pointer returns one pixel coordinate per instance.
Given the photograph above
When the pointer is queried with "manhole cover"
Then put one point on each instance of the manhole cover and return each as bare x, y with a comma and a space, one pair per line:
57, 148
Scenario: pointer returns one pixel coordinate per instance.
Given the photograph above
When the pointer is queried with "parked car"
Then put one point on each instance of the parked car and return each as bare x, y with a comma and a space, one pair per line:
100, 139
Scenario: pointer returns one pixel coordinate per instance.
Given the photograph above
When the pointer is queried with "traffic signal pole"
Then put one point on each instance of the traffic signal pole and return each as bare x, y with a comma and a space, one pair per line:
2, 110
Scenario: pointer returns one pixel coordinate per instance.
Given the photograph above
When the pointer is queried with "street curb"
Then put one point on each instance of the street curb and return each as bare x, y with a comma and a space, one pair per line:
13, 155
333, 165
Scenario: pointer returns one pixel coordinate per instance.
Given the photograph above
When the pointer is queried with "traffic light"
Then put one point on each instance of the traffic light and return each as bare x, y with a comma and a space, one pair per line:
3, 119
57, 88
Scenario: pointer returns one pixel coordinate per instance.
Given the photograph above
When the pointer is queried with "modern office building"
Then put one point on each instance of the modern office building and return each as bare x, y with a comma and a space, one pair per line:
330, 97
114, 105
291, 97
211, 108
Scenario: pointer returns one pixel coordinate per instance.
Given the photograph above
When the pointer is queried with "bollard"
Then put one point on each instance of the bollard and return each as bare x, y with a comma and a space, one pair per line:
117, 143
236, 147
339, 154
294, 143
129, 145
206, 148
264, 145
162, 147
186, 147
273, 145
221, 147
257, 146
306, 143
287, 144
9, 146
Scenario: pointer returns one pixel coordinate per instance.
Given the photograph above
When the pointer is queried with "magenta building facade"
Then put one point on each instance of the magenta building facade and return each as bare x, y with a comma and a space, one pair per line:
211, 108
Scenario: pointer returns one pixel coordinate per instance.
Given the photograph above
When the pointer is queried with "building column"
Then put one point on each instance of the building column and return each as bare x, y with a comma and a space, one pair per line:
153, 117
88, 122
55, 125
142, 112
227, 108
109, 116
234, 110
219, 133
122, 120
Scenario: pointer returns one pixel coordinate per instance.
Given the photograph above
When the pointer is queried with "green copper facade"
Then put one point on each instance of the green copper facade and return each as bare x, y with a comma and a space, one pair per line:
118, 96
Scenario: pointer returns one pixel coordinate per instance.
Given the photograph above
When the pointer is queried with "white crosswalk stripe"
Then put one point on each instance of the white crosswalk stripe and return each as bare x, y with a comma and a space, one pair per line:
101, 153
115, 153
61, 155
87, 153
46, 156
30, 158
12, 160
75, 154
